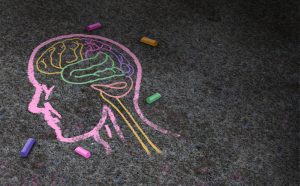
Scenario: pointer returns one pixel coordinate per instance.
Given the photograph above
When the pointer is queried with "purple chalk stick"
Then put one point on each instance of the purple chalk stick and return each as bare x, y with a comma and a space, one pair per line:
93, 26
27, 147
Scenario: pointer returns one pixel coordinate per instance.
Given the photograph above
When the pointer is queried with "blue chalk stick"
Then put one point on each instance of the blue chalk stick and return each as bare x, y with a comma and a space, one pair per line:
27, 147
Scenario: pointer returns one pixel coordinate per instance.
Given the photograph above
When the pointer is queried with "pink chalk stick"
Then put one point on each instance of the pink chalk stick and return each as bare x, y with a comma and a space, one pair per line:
93, 26
108, 131
81, 151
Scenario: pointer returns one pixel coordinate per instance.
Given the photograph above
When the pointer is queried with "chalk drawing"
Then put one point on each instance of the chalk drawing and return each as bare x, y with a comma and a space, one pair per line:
104, 65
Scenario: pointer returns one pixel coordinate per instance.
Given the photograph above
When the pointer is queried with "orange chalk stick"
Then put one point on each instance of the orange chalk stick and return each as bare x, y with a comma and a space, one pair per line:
149, 41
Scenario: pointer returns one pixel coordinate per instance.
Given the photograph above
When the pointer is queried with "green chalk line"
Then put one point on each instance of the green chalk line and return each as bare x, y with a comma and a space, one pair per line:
95, 74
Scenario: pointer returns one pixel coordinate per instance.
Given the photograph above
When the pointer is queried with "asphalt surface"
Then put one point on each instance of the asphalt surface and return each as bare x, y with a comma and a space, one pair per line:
228, 73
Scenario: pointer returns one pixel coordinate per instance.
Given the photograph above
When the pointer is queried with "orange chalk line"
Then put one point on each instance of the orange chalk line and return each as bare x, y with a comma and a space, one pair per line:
129, 125
139, 127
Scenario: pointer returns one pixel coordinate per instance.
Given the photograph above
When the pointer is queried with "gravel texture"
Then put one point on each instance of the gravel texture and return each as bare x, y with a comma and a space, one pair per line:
228, 73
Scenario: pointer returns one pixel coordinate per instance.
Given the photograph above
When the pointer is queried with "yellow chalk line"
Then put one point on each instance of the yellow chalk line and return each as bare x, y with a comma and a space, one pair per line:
139, 127
52, 47
126, 121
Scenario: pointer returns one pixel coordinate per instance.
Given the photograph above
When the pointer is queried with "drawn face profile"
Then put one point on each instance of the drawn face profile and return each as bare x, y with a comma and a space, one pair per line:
108, 68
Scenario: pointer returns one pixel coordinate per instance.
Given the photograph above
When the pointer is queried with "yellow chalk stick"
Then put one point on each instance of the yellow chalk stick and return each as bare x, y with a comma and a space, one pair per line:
149, 41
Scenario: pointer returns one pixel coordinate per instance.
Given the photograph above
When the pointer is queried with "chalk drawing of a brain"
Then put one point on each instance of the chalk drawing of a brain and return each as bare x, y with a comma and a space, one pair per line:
108, 68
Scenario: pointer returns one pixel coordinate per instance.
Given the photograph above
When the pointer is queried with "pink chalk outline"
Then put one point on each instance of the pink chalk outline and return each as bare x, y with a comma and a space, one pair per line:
48, 110
108, 131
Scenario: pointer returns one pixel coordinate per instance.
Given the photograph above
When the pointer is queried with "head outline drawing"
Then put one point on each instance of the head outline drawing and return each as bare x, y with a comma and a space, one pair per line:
48, 110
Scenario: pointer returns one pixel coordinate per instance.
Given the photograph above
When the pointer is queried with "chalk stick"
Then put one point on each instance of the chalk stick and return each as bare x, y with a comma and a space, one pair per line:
149, 41
153, 98
81, 151
27, 147
93, 26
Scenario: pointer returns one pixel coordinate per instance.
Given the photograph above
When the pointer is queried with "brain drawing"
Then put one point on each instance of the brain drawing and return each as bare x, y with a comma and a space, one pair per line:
104, 65
88, 61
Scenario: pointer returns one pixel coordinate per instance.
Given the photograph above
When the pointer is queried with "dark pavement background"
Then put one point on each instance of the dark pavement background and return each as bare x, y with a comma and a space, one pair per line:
228, 72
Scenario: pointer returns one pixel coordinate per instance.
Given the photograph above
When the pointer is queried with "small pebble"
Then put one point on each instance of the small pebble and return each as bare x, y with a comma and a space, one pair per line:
56, 162
2, 112
39, 165
201, 170
236, 176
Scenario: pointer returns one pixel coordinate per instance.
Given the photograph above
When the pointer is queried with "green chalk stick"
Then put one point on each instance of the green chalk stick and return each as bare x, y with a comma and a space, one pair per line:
153, 98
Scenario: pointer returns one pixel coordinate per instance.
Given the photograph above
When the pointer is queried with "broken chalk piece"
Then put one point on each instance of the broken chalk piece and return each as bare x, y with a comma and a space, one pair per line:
149, 41
153, 98
81, 151
27, 147
93, 26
